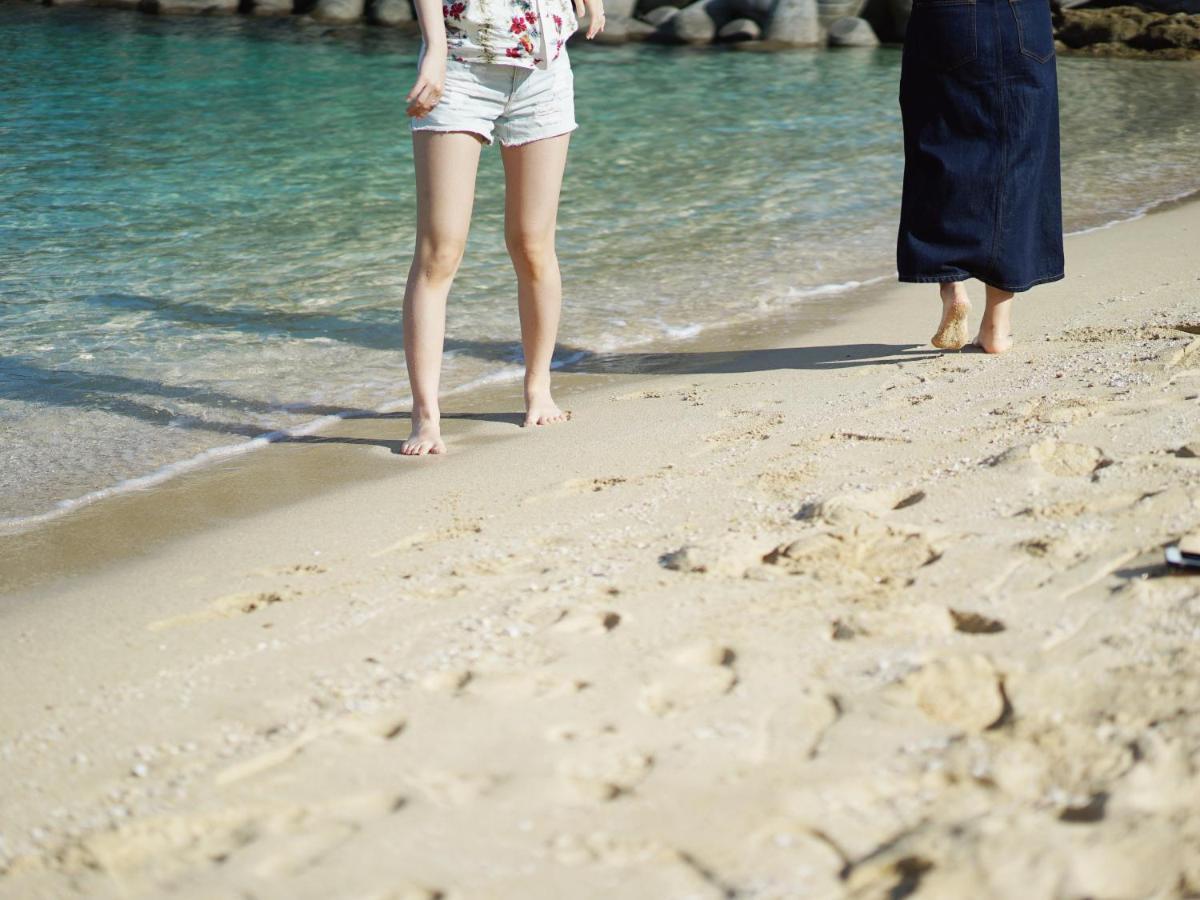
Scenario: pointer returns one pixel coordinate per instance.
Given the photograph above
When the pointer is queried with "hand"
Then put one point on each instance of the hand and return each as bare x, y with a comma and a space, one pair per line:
431, 81
595, 12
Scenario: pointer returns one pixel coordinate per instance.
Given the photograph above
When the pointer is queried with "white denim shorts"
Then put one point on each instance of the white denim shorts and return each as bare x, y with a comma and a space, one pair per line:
510, 103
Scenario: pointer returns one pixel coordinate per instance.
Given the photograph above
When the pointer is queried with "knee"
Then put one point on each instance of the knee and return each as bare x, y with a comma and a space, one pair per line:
532, 254
438, 260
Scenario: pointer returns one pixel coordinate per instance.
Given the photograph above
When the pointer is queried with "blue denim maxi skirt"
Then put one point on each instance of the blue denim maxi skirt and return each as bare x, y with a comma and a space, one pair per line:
979, 99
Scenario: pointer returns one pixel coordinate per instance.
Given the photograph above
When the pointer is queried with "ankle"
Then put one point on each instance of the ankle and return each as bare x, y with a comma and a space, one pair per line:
954, 292
426, 414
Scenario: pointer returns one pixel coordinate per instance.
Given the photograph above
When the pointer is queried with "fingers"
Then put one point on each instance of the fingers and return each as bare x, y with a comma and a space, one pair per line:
596, 21
423, 98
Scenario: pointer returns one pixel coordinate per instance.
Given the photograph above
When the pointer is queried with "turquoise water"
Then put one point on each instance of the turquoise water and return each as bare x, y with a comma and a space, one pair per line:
207, 222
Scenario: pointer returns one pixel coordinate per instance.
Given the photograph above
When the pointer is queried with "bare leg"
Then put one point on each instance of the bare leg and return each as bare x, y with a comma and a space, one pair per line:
995, 331
956, 305
446, 166
533, 176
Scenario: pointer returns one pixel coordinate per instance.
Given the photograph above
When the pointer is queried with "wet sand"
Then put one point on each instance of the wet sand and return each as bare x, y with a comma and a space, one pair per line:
835, 616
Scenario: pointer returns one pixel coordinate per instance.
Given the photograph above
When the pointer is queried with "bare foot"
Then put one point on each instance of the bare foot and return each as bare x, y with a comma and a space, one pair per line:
993, 341
995, 331
540, 408
426, 438
956, 306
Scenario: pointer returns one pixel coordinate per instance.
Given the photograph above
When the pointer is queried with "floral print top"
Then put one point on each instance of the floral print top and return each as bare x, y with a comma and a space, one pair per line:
526, 33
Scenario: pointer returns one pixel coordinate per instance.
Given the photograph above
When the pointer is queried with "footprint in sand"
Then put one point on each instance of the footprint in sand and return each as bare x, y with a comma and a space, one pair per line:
405, 892
447, 681
868, 556
698, 673
604, 772
591, 485
964, 692
227, 607
422, 538
974, 623
1053, 457
729, 555
860, 506
374, 728
588, 621
525, 685
273, 840
605, 849
296, 569
445, 788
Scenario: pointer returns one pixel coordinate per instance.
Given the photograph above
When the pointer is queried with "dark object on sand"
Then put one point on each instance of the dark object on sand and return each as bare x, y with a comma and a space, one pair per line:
1179, 558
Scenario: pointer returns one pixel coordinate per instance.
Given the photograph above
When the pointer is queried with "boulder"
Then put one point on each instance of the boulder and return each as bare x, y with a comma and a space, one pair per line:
1129, 31
646, 6
829, 11
391, 12
338, 10
269, 7
1179, 31
739, 30
1169, 7
794, 22
698, 22
758, 10
107, 4
659, 15
1084, 27
852, 32
189, 7
622, 29
619, 9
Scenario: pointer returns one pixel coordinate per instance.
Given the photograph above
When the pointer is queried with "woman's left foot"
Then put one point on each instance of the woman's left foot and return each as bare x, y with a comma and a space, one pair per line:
540, 408
956, 306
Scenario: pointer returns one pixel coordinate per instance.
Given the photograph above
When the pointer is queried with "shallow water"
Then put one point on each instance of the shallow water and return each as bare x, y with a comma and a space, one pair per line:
208, 222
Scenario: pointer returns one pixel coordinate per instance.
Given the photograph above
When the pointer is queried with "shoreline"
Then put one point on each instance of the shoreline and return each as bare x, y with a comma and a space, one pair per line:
20, 536
836, 616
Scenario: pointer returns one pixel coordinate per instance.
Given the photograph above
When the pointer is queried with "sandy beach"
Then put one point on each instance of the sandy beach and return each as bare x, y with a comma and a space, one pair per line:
806, 613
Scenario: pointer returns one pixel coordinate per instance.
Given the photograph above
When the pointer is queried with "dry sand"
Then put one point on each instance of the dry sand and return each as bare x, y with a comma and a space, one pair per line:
838, 617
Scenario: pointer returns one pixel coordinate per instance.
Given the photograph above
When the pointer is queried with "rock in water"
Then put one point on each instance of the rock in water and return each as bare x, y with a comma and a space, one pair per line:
625, 9
659, 15
189, 7
739, 30
338, 10
646, 6
270, 7
901, 10
758, 10
698, 22
619, 29
795, 22
391, 12
829, 11
852, 32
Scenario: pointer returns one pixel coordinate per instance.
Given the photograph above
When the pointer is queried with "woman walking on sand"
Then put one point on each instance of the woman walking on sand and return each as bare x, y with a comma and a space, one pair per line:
489, 69
982, 196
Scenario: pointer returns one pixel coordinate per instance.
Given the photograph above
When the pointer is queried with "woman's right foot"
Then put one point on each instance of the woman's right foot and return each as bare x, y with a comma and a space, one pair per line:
426, 438
995, 331
956, 306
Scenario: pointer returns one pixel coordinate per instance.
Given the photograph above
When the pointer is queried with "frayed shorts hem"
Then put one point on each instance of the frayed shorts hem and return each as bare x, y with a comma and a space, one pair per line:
557, 131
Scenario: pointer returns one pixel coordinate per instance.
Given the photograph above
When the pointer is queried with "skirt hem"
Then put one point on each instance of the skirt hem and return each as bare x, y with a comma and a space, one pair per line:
963, 276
